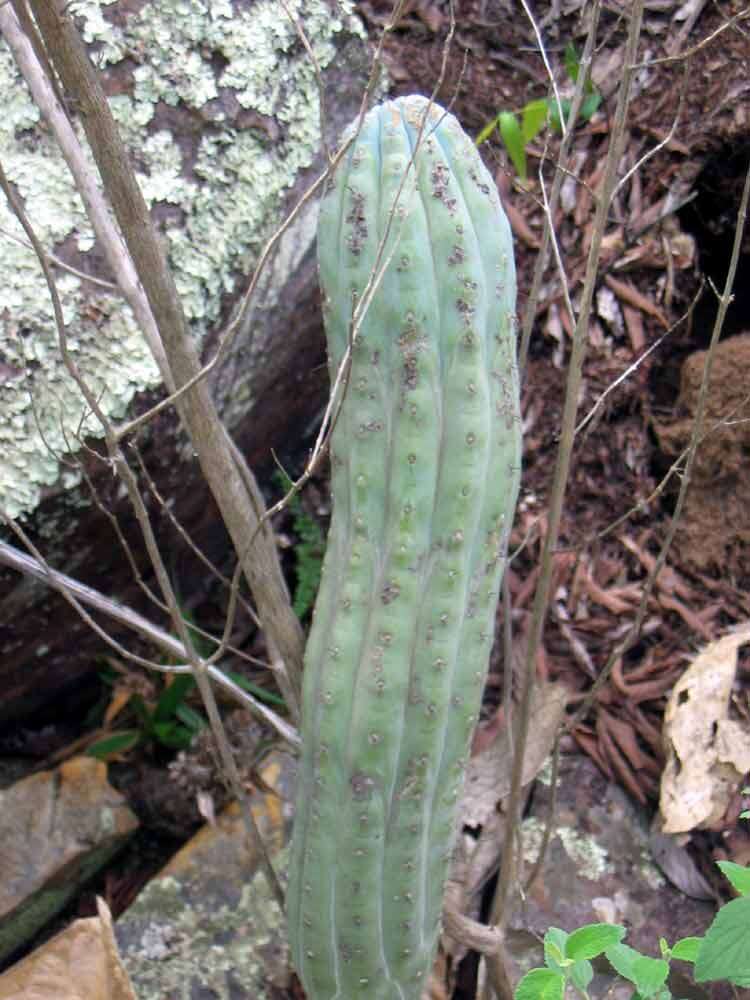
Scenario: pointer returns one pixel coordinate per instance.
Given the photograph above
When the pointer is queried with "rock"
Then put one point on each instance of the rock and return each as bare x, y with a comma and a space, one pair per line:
208, 924
598, 869
220, 109
57, 828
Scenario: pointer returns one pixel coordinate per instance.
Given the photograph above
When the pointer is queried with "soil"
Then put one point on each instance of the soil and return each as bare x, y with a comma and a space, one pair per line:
670, 232
670, 236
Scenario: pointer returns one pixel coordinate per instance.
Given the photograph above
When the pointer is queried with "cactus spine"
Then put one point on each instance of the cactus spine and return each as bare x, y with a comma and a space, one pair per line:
425, 463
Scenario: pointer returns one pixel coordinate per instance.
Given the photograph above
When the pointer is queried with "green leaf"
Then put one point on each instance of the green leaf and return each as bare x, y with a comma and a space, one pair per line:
554, 113
173, 735
510, 130
725, 950
144, 715
622, 957
647, 974
650, 974
590, 106
172, 695
686, 949
116, 743
738, 875
108, 676
260, 693
486, 132
554, 948
535, 115
593, 940
541, 984
581, 975
572, 62
193, 720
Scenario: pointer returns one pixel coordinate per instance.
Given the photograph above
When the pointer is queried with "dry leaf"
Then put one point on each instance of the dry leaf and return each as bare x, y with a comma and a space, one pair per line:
488, 775
81, 963
707, 753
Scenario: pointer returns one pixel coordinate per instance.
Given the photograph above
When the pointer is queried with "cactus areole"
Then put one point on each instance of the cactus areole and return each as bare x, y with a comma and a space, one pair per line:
425, 461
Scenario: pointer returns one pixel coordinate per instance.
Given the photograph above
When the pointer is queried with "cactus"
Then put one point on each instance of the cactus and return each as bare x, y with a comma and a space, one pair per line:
425, 461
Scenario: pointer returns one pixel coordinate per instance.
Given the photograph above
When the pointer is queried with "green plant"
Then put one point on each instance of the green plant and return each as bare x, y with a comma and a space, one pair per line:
535, 115
168, 722
425, 462
308, 551
164, 719
723, 953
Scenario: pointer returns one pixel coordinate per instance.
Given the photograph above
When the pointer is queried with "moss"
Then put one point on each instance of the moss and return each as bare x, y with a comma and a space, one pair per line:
228, 191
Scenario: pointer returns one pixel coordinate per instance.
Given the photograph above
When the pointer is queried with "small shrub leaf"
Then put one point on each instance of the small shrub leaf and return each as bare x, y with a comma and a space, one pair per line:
510, 130
650, 974
173, 735
535, 115
738, 875
260, 693
554, 948
554, 112
622, 957
686, 949
592, 940
581, 975
115, 744
590, 106
486, 132
541, 984
572, 62
725, 950
190, 718
172, 695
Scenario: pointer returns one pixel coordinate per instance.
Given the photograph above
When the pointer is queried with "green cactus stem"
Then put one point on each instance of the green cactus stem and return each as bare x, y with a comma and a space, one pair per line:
425, 461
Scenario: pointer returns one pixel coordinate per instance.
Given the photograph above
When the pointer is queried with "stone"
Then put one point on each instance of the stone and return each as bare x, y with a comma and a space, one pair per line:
598, 869
208, 924
57, 829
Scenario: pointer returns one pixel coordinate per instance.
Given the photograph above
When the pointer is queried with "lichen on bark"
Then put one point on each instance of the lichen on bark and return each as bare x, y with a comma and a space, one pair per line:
219, 106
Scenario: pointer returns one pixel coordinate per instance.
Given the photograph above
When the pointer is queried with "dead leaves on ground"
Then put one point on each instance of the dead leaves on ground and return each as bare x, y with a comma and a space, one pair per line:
597, 594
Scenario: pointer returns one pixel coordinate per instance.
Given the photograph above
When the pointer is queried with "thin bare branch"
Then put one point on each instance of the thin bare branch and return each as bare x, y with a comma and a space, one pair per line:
697, 434
295, 21
543, 52
108, 286
561, 166
635, 365
639, 164
562, 468
36, 567
741, 15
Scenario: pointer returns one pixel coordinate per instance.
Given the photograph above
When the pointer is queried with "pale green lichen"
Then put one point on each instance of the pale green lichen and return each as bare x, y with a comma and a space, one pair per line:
545, 772
590, 858
185, 53
205, 945
651, 874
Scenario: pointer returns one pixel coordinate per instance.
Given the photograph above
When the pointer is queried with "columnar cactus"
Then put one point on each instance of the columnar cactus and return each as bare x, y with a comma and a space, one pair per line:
425, 463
